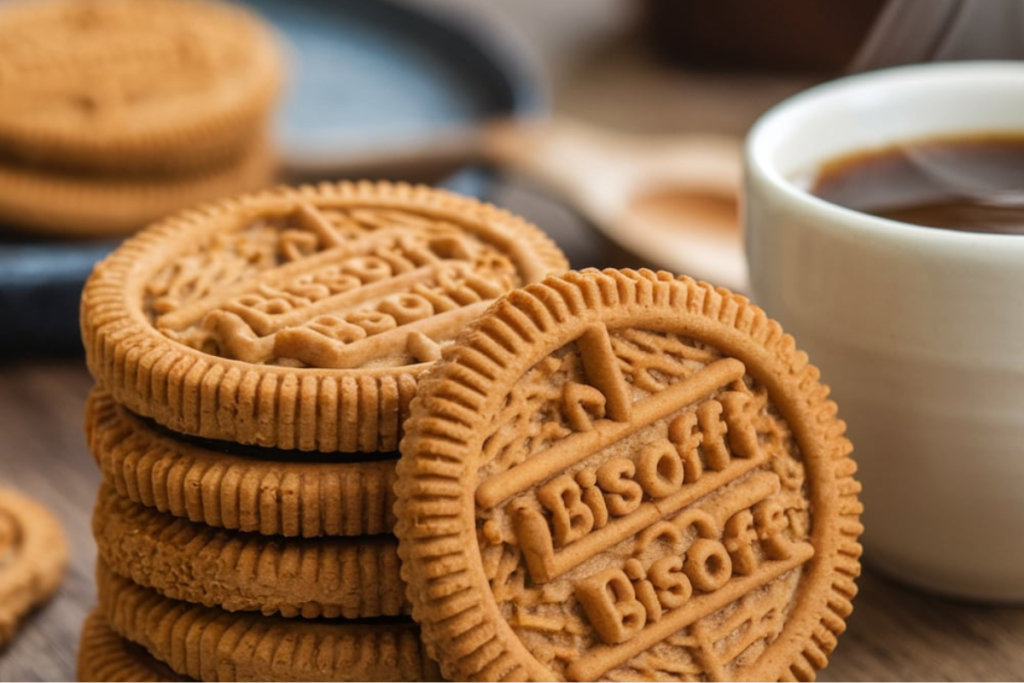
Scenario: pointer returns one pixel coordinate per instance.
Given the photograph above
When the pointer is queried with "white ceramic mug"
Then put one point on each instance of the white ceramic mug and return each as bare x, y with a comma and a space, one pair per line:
919, 331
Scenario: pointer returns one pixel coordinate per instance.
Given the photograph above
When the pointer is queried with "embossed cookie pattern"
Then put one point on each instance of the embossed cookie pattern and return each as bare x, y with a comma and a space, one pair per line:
331, 288
640, 485
708, 506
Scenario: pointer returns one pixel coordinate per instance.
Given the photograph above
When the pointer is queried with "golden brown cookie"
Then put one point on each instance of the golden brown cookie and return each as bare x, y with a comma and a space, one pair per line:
323, 577
258, 490
133, 86
105, 656
622, 475
213, 645
300, 318
33, 557
91, 206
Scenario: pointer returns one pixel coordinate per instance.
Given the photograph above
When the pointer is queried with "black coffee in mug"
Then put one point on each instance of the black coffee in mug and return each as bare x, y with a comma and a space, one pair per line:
973, 183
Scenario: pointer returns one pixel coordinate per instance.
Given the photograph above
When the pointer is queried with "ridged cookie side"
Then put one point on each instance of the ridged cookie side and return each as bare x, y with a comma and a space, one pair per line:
105, 656
310, 578
273, 497
439, 547
213, 645
39, 201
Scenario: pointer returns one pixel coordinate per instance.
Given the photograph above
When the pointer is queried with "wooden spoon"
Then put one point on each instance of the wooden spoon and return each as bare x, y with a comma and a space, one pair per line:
670, 200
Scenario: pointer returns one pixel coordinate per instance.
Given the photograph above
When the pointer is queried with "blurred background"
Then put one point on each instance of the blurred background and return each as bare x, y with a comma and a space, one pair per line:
613, 124
616, 125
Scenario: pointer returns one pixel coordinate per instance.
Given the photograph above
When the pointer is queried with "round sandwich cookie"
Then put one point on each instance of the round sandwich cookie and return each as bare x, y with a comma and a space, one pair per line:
98, 206
324, 577
300, 318
621, 475
133, 86
105, 656
33, 558
213, 645
249, 489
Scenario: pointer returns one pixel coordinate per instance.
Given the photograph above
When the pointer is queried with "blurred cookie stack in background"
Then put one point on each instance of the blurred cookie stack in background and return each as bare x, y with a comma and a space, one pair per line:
255, 360
116, 112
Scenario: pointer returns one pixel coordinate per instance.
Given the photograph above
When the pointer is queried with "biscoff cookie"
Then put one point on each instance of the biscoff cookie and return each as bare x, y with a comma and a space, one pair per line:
324, 577
105, 656
33, 557
300, 318
94, 206
621, 475
213, 645
133, 86
255, 491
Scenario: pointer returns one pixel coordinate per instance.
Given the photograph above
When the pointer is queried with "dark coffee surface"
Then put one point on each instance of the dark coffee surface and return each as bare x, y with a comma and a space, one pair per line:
974, 184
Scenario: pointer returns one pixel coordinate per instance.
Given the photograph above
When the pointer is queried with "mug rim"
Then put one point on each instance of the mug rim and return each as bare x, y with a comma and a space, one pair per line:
759, 140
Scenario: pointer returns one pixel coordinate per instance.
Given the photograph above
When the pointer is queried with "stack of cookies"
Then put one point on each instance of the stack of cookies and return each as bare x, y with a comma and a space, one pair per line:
117, 112
255, 360
604, 475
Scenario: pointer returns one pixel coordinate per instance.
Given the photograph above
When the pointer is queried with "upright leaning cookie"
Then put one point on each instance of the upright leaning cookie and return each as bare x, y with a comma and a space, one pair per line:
300, 318
622, 475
